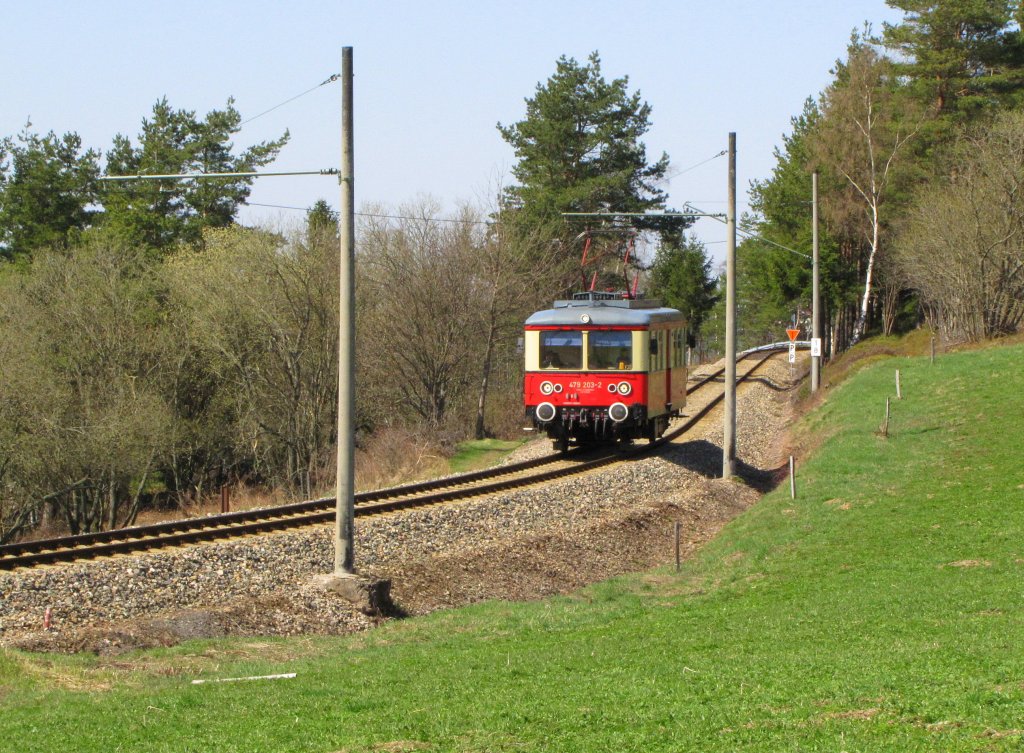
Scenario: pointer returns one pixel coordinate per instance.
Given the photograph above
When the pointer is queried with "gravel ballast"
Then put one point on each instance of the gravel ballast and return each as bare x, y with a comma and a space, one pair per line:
522, 545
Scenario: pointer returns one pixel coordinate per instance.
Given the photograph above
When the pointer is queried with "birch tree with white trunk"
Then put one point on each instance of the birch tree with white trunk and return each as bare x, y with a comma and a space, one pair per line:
863, 136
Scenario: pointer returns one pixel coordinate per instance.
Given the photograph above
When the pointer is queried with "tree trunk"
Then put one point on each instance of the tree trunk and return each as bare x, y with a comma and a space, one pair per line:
862, 316
890, 307
484, 383
133, 509
112, 502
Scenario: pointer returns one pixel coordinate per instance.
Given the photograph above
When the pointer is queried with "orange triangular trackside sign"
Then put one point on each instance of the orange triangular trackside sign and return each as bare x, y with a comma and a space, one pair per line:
792, 333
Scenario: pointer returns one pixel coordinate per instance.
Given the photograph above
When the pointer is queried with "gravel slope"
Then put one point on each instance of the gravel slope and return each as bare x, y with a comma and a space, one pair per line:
524, 545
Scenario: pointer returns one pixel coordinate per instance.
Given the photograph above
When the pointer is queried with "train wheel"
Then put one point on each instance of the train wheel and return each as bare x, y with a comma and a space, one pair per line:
561, 444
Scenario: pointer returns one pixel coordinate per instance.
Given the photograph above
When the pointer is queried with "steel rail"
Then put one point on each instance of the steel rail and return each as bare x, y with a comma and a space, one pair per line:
246, 516
313, 512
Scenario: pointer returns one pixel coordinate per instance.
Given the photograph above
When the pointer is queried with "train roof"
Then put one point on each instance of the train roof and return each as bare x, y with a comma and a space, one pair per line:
604, 312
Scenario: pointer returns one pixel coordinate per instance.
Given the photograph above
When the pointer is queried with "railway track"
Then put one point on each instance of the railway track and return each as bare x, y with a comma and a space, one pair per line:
319, 511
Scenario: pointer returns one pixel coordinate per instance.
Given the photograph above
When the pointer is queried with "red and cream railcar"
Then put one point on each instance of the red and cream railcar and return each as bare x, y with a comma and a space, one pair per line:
601, 367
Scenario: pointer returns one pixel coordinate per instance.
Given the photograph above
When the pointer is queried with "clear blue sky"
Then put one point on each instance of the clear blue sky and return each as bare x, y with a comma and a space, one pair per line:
432, 79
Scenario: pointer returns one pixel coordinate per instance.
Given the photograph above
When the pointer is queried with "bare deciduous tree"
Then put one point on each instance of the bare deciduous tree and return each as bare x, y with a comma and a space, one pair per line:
264, 306
962, 246
87, 422
419, 309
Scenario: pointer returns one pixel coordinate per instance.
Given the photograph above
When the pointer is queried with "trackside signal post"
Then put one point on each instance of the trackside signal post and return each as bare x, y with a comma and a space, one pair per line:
793, 334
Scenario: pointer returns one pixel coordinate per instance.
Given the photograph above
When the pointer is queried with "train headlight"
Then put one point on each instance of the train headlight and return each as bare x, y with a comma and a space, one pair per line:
612, 388
546, 412
625, 388
617, 412
558, 388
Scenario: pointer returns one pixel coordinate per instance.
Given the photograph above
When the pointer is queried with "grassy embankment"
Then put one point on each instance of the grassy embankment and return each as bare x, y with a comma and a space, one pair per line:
476, 454
879, 611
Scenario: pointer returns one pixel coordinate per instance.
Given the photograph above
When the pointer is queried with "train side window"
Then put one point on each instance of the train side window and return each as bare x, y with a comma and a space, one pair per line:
561, 350
678, 347
658, 351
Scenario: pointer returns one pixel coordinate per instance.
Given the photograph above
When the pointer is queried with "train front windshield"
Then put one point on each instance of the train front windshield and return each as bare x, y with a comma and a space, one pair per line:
561, 350
610, 350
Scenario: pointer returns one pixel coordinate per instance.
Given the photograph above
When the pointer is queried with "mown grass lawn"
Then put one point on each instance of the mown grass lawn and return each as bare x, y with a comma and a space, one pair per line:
879, 611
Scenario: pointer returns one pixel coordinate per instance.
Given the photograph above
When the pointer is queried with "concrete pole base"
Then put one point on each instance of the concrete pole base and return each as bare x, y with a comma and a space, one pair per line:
370, 596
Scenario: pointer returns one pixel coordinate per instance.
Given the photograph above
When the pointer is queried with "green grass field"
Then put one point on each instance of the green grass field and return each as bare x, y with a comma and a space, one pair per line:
476, 454
879, 611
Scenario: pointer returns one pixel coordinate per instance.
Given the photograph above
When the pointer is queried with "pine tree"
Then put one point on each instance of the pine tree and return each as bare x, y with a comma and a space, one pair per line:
47, 188
580, 150
962, 57
161, 214
681, 277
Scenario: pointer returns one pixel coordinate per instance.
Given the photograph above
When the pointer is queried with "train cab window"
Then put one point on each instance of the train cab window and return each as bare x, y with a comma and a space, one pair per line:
610, 351
561, 350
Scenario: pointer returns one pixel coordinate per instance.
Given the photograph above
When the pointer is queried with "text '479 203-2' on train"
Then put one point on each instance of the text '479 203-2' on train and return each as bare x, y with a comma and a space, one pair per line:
604, 367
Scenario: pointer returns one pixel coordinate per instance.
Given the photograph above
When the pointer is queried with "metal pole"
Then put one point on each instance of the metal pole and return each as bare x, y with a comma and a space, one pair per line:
815, 289
204, 176
729, 435
344, 559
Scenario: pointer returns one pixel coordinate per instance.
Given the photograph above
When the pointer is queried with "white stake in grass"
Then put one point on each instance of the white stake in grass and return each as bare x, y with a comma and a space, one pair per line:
287, 676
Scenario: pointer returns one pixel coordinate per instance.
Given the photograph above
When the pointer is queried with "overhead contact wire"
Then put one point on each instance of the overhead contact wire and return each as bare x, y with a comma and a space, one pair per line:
382, 216
326, 81
702, 162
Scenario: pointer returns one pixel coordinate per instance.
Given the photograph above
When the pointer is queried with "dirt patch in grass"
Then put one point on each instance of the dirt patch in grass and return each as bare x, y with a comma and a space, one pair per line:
856, 714
281, 614
196, 664
401, 746
969, 563
52, 675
